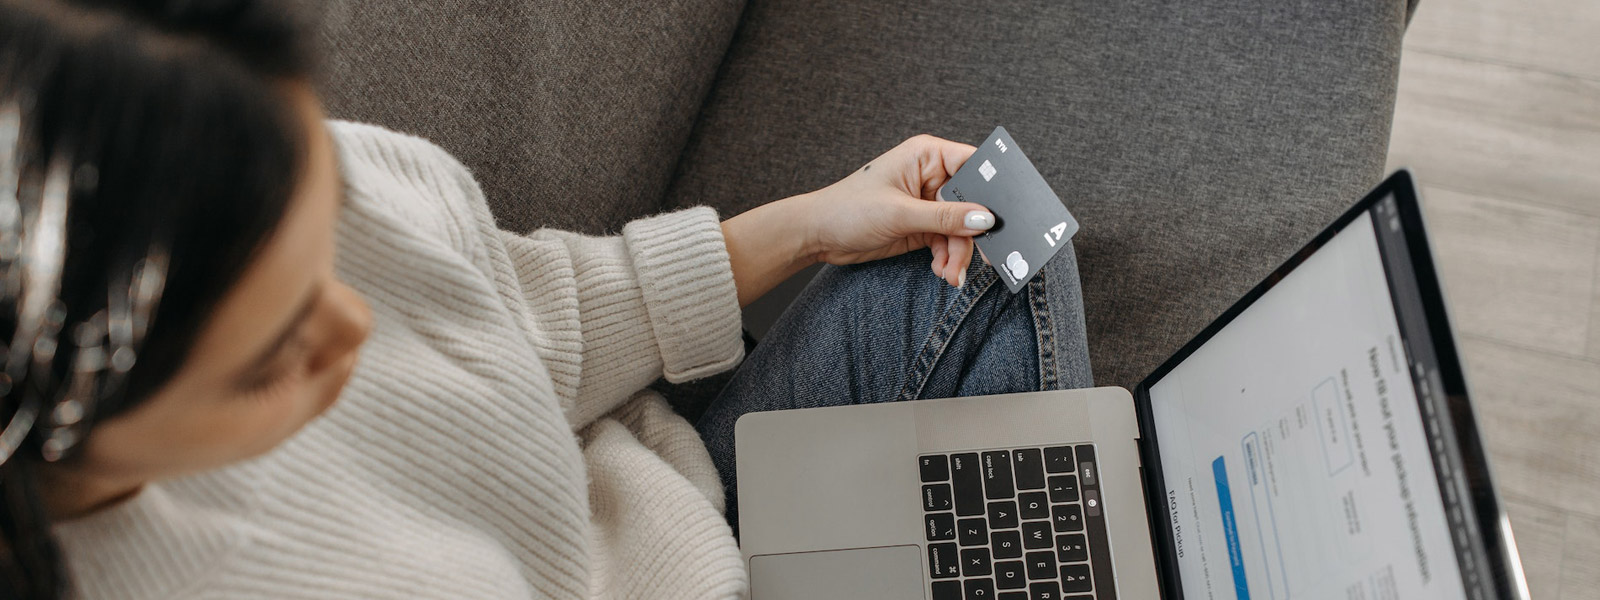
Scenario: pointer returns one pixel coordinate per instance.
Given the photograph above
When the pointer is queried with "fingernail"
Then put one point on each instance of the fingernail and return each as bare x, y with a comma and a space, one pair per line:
961, 280
980, 220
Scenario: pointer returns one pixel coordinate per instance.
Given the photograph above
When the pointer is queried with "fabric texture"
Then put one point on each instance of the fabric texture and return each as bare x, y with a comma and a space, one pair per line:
1199, 143
890, 331
571, 113
494, 441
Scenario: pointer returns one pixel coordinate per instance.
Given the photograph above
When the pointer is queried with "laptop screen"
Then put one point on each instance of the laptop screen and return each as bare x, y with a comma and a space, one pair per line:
1297, 458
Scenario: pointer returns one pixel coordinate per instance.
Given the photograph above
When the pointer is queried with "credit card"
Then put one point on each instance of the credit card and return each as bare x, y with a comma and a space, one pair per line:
1031, 224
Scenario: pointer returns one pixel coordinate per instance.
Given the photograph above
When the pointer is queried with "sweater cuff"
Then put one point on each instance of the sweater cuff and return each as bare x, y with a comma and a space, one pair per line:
686, 279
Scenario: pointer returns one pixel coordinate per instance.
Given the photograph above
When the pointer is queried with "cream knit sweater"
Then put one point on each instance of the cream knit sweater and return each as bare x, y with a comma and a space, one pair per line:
495, 440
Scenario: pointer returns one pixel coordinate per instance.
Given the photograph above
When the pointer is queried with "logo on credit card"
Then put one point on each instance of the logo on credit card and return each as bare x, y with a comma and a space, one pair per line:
987, 169
1017, 265
1059, 230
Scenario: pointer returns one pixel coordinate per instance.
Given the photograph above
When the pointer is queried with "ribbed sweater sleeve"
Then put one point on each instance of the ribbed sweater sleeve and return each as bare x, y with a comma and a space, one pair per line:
670, 272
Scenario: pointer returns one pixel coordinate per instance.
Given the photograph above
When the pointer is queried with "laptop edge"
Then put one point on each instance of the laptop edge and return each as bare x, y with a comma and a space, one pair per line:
1495, 552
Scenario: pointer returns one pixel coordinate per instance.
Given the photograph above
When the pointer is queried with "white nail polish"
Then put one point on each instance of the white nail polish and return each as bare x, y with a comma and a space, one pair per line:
978, 219
961, 280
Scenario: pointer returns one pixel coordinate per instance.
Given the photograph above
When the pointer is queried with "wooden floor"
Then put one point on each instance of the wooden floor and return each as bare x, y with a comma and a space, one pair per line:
1499, 117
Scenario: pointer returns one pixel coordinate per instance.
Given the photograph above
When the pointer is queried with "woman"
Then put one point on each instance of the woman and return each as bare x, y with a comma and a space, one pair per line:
193, 260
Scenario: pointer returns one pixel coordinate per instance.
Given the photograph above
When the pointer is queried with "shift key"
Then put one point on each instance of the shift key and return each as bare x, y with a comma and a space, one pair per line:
966, 476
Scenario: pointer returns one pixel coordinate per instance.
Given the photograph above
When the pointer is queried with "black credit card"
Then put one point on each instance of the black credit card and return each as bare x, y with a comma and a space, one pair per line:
1031, 224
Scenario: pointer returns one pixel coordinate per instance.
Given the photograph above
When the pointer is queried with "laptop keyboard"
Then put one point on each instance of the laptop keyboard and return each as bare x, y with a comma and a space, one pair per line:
1016, 524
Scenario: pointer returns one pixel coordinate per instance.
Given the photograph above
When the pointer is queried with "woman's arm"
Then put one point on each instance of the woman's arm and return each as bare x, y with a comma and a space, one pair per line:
616, 312
883, 209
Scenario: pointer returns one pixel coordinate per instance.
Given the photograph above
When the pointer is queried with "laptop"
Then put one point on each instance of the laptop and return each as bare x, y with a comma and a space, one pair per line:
1316, 441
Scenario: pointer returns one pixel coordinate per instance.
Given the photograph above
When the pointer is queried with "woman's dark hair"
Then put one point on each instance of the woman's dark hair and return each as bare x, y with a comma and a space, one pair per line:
177, 120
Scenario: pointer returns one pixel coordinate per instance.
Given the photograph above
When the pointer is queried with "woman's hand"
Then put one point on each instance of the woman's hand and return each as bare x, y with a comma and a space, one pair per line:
890, 206
885, 208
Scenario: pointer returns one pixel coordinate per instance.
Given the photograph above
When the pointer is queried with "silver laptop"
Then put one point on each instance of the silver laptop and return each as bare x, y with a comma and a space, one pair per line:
1316, 441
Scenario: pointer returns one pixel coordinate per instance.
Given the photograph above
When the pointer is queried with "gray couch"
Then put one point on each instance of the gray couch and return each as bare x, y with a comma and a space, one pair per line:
1198, 141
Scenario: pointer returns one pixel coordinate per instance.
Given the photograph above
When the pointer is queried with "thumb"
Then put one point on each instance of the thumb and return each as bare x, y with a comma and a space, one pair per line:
963, 219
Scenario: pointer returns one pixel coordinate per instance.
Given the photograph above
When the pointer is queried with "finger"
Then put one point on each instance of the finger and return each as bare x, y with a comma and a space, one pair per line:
937, 159
959, 257
940, 255
949, 218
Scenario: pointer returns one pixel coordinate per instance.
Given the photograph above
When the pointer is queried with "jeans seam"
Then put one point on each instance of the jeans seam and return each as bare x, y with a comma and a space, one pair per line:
942, 332
1044, 331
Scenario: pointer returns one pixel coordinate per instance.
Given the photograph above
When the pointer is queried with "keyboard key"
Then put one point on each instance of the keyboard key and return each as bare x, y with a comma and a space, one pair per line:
1067, 517
942, 561
1036, 535
980, 589
975, 561
1028, 465
973, 532
939, 527
1059, 460
1022, 595
935, 468
1006, 544
997, 475
1064, 488
1041, 565
1044, 590
1072, 548
936, 497
946, 590
967, 476
1010, 575
1003, 515
1033, 505
1086, 466
1075, 579
1083, 597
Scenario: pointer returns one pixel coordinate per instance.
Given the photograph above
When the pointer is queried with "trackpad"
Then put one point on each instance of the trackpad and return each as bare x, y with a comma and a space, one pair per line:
891, 573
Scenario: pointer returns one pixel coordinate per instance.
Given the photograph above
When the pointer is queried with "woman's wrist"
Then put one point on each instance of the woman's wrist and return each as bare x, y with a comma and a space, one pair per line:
806, 223
769, 244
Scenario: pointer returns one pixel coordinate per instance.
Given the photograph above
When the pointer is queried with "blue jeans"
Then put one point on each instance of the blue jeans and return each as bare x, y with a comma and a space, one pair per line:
891, 330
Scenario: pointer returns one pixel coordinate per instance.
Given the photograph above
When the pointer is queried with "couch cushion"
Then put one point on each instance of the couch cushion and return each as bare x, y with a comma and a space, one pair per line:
571, 113
1198, 142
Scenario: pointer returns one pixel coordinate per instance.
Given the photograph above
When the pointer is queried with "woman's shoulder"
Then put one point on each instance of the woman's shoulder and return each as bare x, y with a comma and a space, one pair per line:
377, 146
371, 155
396, 178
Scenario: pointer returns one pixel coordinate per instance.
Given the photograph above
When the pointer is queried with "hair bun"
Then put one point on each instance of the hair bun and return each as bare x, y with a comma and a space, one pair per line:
184, 15
202, 14
267, 35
